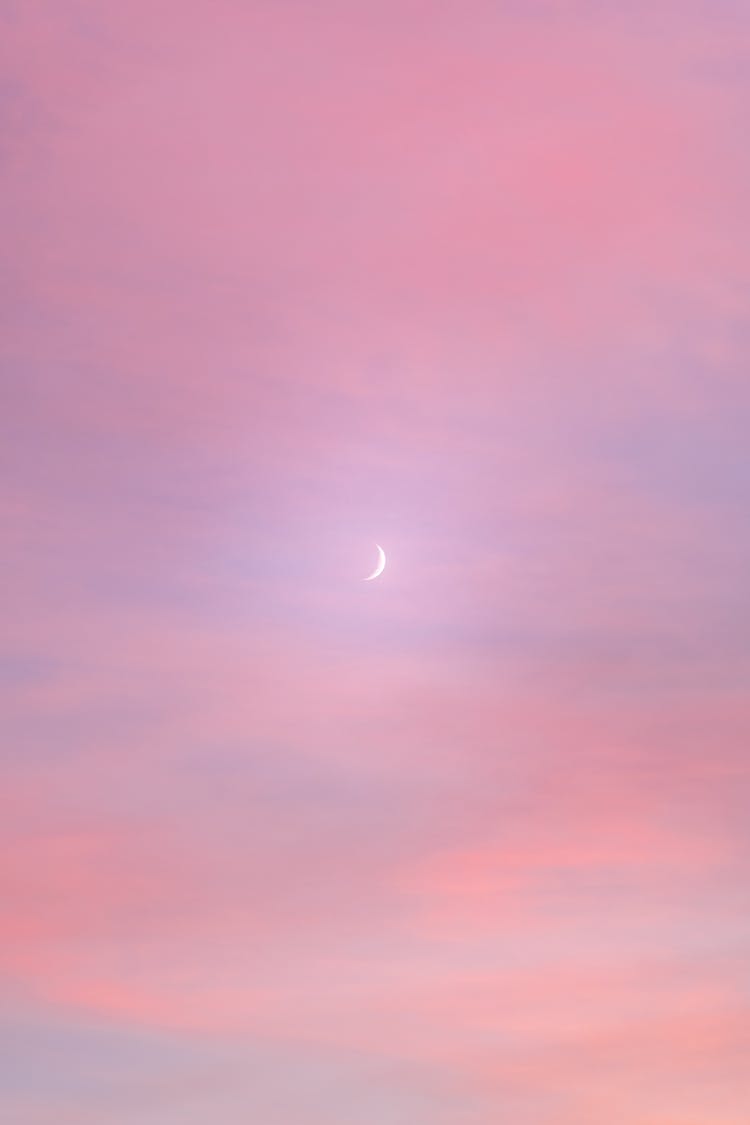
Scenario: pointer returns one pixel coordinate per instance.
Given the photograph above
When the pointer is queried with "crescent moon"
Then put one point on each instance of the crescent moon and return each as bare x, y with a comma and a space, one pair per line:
379, 568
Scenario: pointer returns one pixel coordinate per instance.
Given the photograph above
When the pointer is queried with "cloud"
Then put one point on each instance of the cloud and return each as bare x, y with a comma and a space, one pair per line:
283, 282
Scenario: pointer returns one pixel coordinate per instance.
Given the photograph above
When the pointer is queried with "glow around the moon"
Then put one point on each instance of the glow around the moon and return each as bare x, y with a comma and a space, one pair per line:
380, 567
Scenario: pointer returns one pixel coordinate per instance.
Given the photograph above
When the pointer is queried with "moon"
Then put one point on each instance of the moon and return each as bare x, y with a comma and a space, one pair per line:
380, 567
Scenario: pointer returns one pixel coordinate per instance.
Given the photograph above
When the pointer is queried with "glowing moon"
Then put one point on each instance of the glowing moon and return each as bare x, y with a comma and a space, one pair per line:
379, 568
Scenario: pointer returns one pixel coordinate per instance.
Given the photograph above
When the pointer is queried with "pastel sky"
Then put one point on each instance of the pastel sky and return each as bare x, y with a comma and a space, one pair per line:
468, 844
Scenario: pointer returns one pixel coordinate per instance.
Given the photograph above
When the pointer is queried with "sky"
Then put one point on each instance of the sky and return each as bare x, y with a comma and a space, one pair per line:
469, 843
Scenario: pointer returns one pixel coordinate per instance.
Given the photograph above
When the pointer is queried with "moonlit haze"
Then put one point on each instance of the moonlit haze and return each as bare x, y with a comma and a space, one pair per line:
468, 844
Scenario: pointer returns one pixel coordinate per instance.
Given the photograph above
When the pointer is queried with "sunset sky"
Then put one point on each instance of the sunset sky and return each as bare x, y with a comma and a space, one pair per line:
468, 844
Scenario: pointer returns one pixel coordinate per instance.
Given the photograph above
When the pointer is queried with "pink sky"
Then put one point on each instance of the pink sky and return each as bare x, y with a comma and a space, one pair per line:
468, 844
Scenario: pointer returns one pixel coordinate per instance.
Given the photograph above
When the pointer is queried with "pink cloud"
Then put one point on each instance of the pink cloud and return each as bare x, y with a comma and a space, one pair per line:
468, 843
